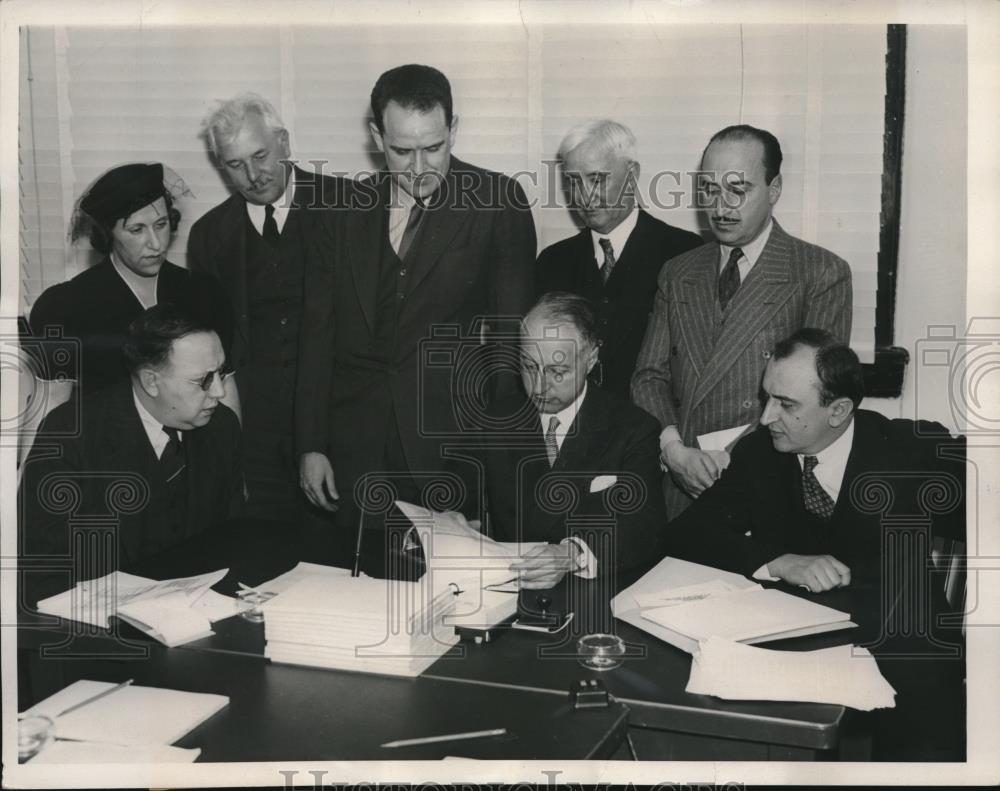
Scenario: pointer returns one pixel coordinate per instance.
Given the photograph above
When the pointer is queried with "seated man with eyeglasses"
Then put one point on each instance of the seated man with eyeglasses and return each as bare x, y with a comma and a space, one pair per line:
117, 476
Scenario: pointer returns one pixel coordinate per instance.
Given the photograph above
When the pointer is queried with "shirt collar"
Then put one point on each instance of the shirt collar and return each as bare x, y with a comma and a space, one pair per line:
154, 428
566, 416
282, 205
834, 456
400, 199
618, 235
751, 250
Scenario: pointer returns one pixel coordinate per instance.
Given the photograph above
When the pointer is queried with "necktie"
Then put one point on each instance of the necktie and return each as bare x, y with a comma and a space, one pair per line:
815, 498
551, 446
609, 259
729, 280
412, 223
172, 461
270, 225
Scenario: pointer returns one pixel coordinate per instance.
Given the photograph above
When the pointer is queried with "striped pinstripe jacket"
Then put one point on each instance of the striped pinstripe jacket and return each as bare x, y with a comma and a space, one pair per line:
700, 366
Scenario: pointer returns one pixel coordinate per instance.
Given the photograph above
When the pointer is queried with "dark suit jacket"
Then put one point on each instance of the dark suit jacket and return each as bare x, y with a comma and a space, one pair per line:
895, 468
529, 501
94, 310
217, 245
700, 368
904, 483
472, 259
97, 447
624, 302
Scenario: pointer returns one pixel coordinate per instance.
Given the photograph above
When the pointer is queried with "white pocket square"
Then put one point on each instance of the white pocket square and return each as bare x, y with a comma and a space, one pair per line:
602, 482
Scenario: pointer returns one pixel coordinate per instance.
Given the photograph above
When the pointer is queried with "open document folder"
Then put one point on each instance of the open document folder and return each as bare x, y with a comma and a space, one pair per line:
173, 611
683, 603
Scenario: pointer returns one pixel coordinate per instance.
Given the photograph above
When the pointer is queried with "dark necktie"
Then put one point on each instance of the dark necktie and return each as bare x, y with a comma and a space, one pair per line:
729, 280
270, 225
173, 460
551, 446
412, 224
815, 498
609, 259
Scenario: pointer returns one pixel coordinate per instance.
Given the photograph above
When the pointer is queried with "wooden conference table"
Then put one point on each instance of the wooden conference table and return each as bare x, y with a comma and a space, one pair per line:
519, 681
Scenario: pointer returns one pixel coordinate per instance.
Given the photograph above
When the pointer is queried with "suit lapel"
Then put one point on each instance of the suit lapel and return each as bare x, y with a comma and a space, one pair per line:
365, 248
231, 250
751, 309
865, 456
444, 217
584, 442
697, 307
127, 448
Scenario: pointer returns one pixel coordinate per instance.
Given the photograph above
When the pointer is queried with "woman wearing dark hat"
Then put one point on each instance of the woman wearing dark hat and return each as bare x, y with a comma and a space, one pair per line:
129, 216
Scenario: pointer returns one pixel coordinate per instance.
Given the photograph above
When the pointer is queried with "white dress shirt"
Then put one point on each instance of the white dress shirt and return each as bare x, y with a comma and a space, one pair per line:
831, 462
282, 206
618, 236
588, 568
154, 428
751, 252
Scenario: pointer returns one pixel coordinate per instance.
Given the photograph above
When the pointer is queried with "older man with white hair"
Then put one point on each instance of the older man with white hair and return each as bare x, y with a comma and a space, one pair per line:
256, 243
615, 260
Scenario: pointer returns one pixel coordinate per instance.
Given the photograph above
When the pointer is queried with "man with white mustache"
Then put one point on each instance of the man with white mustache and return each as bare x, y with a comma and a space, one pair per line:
720, 309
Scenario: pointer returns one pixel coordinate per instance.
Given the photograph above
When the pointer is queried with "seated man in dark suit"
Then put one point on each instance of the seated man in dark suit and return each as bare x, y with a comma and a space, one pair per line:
568, 463
824, 495
616, 259
155, 460
803, 486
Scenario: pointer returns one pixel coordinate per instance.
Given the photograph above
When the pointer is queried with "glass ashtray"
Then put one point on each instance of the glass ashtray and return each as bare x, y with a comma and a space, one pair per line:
34, 732
600, 651
249, 601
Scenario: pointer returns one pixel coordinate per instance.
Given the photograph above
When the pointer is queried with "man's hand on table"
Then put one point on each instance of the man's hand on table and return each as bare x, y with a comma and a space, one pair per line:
816, 573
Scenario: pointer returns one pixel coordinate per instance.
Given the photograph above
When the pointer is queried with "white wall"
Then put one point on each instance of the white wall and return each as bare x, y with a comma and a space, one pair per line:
933, 262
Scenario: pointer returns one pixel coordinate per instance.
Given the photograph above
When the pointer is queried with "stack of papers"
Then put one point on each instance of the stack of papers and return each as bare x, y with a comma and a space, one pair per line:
171, 611
844, 675
455, 551
683, 603
132, 724
358, 623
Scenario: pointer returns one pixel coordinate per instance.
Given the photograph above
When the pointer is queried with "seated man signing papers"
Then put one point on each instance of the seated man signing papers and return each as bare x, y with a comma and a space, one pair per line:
567, 463
802, 501
116, 477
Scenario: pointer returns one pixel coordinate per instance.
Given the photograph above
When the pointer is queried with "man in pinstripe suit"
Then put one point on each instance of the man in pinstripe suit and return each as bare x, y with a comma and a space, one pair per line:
720, 309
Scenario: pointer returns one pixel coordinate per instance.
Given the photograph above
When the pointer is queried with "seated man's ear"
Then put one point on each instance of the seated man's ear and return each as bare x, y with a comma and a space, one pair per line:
149, 381
840, 410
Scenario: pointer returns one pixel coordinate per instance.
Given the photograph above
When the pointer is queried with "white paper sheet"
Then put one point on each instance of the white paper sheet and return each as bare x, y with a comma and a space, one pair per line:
844, 675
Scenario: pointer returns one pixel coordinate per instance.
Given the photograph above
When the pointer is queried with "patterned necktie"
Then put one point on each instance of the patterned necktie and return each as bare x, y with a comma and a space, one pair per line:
609, 259
173, 460
729, 280
551, 446
412, 224
270, 225
815, 498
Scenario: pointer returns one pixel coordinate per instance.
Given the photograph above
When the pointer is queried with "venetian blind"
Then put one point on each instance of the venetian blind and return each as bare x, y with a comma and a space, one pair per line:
98, 97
